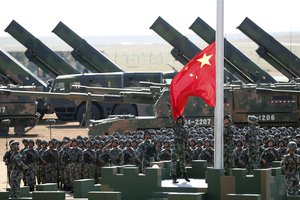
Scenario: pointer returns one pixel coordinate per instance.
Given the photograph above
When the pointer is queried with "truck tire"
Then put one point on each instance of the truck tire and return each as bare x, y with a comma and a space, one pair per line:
96, 113
123, 109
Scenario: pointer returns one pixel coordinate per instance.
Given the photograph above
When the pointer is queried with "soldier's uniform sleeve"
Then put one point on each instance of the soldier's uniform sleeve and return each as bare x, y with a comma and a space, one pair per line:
20, 162
283, 163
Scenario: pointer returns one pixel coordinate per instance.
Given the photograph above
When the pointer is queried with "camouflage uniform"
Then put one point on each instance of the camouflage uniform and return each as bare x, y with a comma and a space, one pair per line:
74, 167
166, 152
7, 159
145, 152
207, 153
290, 164
269, 155
31, 158
65, 161
115, 154
38, 143
50, 158
237, 154
228, 144
42, 164
99, 163
17, 171
129, 154
89, 160
178, 147
253, 148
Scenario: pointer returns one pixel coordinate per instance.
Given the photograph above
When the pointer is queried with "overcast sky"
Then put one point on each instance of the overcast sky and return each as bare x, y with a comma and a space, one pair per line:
134, 17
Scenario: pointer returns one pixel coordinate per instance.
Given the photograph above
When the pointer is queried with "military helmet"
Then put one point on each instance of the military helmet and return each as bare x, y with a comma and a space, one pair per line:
252, 119
292, 145
228, 117
25, 140
38, 141
14, 144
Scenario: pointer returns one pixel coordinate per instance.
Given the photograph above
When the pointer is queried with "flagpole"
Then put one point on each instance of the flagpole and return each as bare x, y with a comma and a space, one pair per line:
219, 108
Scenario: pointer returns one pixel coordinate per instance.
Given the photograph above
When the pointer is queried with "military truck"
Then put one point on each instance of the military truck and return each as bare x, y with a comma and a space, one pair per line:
240, 101
20, 113
69, 109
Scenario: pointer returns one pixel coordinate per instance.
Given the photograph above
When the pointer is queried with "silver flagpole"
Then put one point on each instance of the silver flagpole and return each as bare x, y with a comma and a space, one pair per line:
219, 109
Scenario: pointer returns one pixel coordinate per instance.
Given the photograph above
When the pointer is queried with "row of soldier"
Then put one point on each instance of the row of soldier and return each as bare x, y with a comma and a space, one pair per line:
70, 159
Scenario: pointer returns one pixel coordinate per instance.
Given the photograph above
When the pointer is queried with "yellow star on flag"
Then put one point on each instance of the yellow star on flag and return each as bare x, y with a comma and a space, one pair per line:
205, 60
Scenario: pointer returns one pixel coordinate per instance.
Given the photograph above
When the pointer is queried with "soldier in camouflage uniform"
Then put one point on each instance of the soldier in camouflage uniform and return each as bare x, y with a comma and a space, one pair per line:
31, 158
282, 150
7, 159
42, 165
251, 139
76, 159
129, 154
89, 160
50, 158
207, 153
17, 171
166, 152
38, 143
25, 146
228, 144
115, 154
178, 147
237, 154
269, 155
145, 152
98, 151
290, 165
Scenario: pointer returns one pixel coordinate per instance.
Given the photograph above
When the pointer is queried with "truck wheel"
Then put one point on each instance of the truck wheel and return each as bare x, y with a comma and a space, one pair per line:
123, 109
96, 113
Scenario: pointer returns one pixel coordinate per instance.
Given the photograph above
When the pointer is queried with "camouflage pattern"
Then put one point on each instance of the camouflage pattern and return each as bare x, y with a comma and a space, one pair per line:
229, 146
7, 159
37, 51
89, 160
19, 112
145, 154
31, 158
253, 150
273, 51
17, 171
50, 157
178, 145
245, 66
129, 155
290, 165
207, 153
269, 155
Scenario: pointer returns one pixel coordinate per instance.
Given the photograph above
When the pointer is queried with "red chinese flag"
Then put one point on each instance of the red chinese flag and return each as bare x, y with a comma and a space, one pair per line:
196, 78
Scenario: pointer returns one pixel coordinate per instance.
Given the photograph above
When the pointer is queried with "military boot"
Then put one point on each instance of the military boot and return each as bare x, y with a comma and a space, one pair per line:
185, 176
174, 179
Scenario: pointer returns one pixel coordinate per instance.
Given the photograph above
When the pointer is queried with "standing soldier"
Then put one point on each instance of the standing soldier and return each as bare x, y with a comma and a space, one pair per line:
17, 171
269, 155
89, 160
253, 148
165, 153
282, 150
145, 152
31, 158
42, 165
115, 154
228, 144
76, 158
50, 159
290, 164
179, 146
25, 146
98, 148
207, 153
7, 159
128, 154
38, 143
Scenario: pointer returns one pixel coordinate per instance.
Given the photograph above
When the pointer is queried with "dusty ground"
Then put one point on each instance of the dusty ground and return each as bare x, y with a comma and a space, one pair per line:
42, 131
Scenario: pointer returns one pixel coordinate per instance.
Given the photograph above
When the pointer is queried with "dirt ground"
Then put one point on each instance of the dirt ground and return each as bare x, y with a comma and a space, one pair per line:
42, 131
